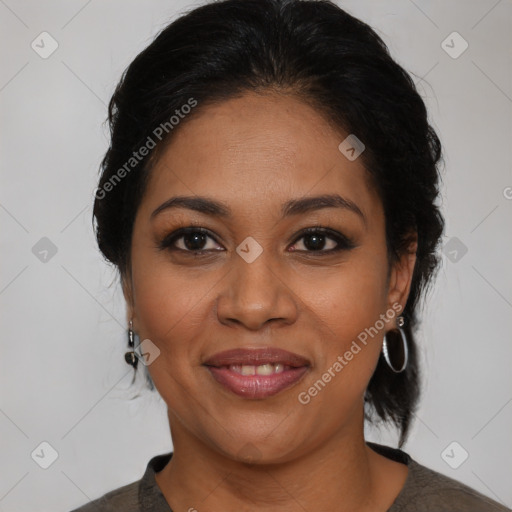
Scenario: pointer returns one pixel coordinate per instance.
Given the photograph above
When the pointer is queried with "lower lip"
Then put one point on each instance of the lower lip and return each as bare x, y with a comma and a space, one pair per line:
257, 386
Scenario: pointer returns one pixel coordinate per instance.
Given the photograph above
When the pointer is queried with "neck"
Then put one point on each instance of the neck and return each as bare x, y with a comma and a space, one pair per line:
342, 474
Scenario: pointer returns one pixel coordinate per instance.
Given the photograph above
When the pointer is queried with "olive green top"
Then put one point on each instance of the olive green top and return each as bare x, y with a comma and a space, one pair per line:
424, 490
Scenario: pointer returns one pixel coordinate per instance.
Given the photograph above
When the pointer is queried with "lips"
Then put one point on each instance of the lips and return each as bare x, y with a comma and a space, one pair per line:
256, 357
257, 373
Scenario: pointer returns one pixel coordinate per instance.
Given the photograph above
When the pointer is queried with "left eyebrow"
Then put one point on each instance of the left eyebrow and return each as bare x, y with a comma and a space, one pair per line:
209, 206
307, 204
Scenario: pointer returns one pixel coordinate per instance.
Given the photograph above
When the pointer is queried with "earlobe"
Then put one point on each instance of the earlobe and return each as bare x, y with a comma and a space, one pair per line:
401, 276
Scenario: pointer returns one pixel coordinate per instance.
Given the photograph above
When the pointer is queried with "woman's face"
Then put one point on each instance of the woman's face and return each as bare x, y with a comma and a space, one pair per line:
259, 282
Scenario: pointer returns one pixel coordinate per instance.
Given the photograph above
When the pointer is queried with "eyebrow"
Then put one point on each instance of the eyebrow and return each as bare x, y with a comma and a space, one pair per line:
209, 206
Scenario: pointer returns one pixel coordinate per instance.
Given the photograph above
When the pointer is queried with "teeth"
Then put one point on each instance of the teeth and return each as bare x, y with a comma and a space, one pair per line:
248, 370
269, 369
263, 369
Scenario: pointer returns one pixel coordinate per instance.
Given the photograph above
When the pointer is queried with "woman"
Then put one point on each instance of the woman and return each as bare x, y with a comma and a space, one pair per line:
269, 199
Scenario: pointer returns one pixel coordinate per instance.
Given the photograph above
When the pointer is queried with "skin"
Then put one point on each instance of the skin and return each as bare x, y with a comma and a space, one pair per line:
254, 153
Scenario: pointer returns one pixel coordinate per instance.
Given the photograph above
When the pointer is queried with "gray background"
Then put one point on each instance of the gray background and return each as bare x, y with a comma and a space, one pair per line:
63, 377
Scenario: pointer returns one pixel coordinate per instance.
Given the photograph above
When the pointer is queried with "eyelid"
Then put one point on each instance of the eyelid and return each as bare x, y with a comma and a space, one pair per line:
166, 243
341, 239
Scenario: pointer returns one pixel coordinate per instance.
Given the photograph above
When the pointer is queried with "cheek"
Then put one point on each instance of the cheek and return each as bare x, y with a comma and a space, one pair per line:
347, 307
169, 308
353, 295
167, 299
170, 312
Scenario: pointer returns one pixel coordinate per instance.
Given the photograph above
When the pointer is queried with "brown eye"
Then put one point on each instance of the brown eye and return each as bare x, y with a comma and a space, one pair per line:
315, 240
189, 239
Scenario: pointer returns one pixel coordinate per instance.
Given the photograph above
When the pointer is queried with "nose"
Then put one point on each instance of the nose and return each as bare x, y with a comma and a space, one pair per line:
255, 294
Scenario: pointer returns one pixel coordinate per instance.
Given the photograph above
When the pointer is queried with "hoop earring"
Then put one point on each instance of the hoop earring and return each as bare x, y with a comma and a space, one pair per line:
130, 357
400, 323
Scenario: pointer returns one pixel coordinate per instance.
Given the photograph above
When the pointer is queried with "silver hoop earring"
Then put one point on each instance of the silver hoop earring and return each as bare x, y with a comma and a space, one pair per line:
400, 321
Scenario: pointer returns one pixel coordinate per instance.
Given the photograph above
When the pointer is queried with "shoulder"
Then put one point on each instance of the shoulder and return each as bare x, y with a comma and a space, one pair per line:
426, 490
143, 494
123, 498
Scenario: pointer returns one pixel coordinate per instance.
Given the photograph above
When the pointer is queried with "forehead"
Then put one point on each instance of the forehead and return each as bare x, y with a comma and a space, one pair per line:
258, 150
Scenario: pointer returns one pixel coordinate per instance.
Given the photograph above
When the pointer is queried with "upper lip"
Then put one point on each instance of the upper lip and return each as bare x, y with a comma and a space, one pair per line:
256, 357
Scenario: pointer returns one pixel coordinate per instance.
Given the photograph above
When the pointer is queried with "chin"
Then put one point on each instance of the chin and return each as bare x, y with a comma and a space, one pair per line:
259, 449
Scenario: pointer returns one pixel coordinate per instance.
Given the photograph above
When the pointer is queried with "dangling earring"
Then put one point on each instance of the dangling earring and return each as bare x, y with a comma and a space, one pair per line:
130, 357
400, 321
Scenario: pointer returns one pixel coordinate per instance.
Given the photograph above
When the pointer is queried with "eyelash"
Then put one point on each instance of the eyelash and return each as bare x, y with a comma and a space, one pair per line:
343, 242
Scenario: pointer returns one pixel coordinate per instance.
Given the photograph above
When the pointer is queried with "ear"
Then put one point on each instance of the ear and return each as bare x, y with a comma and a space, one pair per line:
126, 284
401, 275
